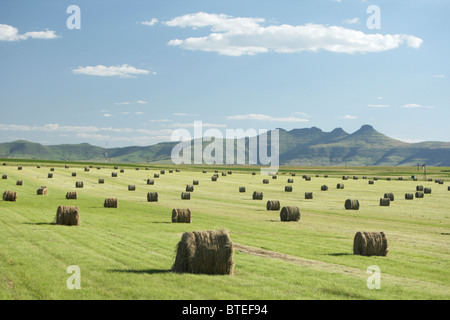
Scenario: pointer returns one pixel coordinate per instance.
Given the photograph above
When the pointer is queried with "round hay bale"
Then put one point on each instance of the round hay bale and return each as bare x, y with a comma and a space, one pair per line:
122, 171
189, 188
288, 189
419, 194
375, 179
86, 169
325, 176
101, 181
427, 190
355, 178
205, 252
162, 172
371, 182
68, 216
389, 195
308, 179
385, 202
224, 174
230, 172
409, 196
448, 188
257, 195
42, 191
156, 175
274, 177
152, 197
216, 175
137, 169
79, 184
10, 196
370, 244
19, 183
52, 169
4, 164
19, 168
253, 173
344, 178
116, 168
181, 216
114, 174
241, 189
185, 196
213, 178
340, 186
150, 181
290, 214
5, 177
351, 204
400, 178
38, 167
290, 180
324, 188
308, 195
131, 187
204, 171
292, 174
50, 176
419, 188
66, 166
74, 174
111, 203
177, 170
273, 205
71, 196
265, 181
98, 168
195, 182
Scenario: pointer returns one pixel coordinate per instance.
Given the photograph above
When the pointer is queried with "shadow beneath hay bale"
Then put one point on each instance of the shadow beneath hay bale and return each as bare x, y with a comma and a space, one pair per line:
339, 254
41, 223
147, 271
161, 222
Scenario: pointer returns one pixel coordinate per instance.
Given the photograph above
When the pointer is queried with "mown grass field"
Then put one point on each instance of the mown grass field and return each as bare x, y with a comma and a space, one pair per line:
127, 253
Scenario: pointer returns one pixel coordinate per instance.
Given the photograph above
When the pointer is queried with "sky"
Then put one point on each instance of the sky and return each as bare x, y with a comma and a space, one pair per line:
123, 73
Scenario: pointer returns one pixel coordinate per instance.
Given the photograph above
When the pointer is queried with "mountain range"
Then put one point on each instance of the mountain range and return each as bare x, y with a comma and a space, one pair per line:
298, 147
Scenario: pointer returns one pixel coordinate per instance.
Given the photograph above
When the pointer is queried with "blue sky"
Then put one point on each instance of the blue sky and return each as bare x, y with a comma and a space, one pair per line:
137, 70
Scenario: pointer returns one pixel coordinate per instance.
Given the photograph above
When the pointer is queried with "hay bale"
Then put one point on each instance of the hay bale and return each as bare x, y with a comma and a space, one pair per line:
71, 196
344, 178
137, 169
74, 174
241, 189
308, 179
419, 188
324, 188
86, 169
162, 172
274, 177
448, 188
5, 177
156, 175
101, 181
288, 189
10, 196
355, 178
19, 183
66, 166
114, 174
409, 196
292, 174
185, 196
224, 174
42, 191
325, 176
216, 175
290, 214
253, 173
189, 188
213, 178
204, 171
388, 179
181, 216
273, 205
98, 168
370, 244
152, 197
385, 202
427, 190
257, 195
68, 216
290, 180
50, 176
116, 168
52, 169
150, 181
19, 168
419, 194
340, 186
371, 182
131, 187
79, 184
216, 171
111, 203
265, 181
230, 172
308, 195
195, 182
177, 170
389, 195
205, 252
351, 204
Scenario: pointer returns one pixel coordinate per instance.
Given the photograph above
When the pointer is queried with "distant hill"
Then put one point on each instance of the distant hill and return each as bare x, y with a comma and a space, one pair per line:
298, 147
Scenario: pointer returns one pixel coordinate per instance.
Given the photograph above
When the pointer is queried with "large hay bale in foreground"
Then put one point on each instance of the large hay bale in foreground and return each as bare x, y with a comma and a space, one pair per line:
185, 196
308, 195
10, 196
42, 191
257, 195
205, 252
385, 202
389, 195
351, 204
181, 216
71, 196
68, 216
409, 196
370, 244
273, 205
111, 203
152, 197
290, 214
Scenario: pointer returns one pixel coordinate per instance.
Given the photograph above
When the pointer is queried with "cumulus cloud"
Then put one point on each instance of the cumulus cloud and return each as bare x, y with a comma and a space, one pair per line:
248, 36
416, 106
349, 117
10, 33
263, 117
352, 21
122, 71
378, 105
149, 23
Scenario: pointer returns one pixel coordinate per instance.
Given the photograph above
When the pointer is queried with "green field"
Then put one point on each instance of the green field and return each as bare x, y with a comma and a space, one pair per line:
127, 253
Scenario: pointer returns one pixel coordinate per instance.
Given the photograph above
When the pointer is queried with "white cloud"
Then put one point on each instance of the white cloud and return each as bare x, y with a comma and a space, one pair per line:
107, 115
149, 23
263, 117
412, 106
247, 36
349, 117
121, 103
139, 113
123, 71
141, 102
352, 21
439, 76
10, 33
378, 105
302, 114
